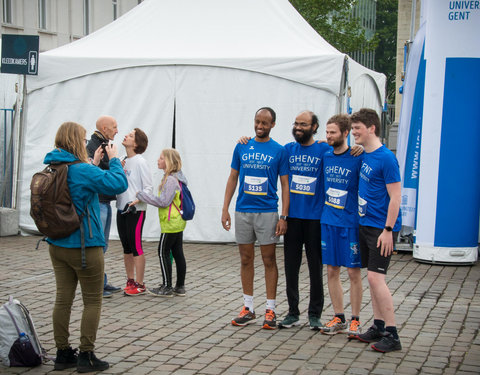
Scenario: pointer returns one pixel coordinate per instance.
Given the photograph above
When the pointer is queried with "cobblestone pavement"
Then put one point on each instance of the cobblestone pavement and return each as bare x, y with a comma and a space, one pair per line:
437, 312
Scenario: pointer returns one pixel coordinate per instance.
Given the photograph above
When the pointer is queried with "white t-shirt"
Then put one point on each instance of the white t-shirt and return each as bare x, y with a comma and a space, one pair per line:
139, 178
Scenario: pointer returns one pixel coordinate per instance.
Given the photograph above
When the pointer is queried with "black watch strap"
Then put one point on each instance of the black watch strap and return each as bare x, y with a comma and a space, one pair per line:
388, 228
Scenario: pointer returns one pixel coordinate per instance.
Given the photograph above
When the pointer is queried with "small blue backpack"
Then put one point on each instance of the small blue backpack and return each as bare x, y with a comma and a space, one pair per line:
187, 205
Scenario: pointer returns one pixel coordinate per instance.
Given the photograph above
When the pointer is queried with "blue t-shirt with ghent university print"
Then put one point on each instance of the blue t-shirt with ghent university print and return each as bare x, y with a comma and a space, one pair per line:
341, 172
305, 179
379, 168
259, 165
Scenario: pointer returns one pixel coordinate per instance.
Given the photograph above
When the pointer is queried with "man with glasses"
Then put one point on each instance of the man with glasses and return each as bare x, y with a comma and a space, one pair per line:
303, 222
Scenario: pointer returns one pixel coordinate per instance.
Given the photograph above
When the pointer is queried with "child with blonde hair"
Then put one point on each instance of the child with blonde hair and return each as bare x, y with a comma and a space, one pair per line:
171, 223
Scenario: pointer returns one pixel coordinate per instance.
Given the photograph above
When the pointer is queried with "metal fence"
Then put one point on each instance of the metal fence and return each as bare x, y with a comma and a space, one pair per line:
7, 157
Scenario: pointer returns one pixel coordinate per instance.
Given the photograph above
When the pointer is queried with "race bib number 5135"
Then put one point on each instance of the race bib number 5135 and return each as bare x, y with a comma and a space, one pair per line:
255, 185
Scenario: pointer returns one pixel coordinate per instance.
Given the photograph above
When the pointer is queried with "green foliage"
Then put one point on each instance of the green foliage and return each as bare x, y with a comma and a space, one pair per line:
332, 19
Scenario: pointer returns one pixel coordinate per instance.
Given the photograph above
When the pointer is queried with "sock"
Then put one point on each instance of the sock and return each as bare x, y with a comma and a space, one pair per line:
248, 302
355, 317
271, 304
341, 316
393, 331
380, 324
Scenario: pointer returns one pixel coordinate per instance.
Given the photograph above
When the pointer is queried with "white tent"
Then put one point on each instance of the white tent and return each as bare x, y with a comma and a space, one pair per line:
197, 70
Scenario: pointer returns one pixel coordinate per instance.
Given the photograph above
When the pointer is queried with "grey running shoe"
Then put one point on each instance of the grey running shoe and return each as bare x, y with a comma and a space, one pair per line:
372, 335
387, 344
179, 291
245, 317
315, 323
161, 291
354, 330
270, 321
289, 321
334, 326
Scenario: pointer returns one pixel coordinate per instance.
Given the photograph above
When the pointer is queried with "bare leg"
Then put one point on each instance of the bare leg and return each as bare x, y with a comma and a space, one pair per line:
356, 290
129, 265
139, 263
271, 270
335, 288
382, 301
247, 255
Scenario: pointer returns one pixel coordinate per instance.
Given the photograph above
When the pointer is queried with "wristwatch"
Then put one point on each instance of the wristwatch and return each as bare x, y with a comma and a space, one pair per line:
283, 217
388, 228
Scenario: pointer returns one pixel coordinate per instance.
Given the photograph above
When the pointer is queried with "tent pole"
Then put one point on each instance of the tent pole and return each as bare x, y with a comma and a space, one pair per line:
20, 131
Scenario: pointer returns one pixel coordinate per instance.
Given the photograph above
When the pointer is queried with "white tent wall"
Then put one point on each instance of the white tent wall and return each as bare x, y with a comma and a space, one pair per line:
215, 107
136, 97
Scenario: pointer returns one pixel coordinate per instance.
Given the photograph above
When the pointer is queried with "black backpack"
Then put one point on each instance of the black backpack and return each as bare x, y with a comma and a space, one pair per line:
51, 206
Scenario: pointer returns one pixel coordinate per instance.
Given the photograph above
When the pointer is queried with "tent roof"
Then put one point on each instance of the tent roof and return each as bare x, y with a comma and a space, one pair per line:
265, 36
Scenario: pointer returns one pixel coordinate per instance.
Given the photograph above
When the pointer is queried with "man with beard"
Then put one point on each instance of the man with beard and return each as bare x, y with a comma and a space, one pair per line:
257, 165
340, 225
106, 131
306, 202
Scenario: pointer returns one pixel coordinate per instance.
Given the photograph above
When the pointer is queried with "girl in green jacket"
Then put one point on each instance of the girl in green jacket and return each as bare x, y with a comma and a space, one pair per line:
171, 223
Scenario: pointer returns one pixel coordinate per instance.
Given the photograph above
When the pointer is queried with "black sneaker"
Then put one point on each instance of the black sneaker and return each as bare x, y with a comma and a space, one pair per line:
112, 289
387, 344
66, 358
372, 335
179, 291
270, 321
87, 362
161, 291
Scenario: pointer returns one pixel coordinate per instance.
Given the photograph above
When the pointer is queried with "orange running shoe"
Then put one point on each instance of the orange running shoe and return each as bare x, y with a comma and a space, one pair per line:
270, 321
245, 317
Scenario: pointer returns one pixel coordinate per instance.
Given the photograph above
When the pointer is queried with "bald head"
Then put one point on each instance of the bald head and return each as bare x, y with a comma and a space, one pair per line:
107, 125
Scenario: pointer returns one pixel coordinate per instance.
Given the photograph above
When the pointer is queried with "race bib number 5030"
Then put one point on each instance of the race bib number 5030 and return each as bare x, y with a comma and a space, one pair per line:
303, 185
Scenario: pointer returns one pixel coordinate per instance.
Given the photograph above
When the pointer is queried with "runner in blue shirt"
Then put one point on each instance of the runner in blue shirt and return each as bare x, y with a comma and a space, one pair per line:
379, 197
306, 203
340, 225
257, 165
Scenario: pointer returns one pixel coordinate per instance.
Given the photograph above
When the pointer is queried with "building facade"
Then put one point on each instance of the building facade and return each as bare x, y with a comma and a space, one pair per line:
58, 22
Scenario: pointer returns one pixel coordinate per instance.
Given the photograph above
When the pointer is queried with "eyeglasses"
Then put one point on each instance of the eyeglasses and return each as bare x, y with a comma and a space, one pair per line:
301, 124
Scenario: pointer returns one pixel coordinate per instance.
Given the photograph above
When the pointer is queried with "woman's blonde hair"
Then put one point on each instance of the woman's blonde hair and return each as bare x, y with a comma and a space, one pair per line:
173, 163
71, 138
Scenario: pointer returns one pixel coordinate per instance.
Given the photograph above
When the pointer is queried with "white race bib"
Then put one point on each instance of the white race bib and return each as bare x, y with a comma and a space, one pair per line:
336, 198
362, 206
255, 185
303, 185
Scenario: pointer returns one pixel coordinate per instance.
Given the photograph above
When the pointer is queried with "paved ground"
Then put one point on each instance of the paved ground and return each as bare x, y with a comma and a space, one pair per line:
437, 308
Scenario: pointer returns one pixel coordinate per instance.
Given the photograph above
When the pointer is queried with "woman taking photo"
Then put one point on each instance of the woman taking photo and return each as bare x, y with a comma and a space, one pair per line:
85, 181
171, 222
131, 212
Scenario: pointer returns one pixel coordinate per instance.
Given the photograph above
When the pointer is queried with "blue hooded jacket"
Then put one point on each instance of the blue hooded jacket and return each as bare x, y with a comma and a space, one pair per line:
85, 181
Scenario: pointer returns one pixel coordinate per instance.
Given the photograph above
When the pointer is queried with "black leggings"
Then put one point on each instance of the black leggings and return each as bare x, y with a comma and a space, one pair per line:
172, 242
